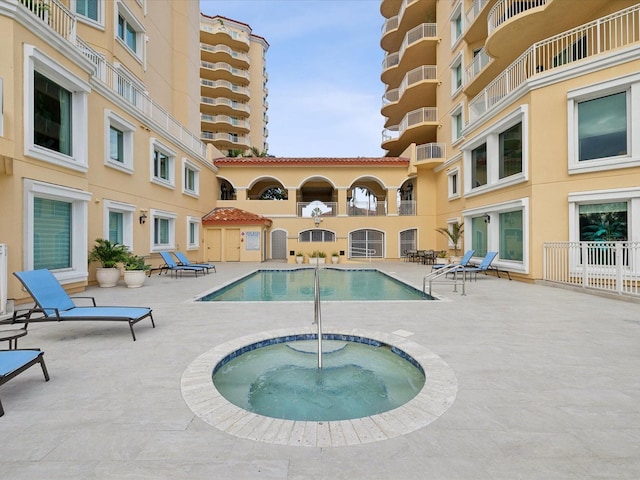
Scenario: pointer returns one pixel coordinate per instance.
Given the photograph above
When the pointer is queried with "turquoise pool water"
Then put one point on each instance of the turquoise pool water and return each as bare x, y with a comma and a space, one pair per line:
297, 285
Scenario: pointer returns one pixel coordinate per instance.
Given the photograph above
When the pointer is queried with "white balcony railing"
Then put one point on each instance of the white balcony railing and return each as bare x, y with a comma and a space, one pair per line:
413, 77
242, 140
472, 70
474, 10
236, 122
225, 49
429, 151
220, 101
55, 14
407, 207
422, 31
226, 67
608, 266
224, 84
618, 30
365, 208
506, 9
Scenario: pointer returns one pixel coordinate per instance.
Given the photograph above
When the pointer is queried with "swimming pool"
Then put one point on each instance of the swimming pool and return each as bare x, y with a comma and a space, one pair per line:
297, 285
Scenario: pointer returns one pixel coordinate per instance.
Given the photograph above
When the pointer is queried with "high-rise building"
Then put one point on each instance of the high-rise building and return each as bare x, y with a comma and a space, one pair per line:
233, 83
520, 115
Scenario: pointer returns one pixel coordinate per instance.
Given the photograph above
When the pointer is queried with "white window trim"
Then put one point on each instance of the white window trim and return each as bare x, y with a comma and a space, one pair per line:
128, 129
450, 174
186, 163
457, 62
490, 136
157, 145
197, 222
630, 84
1, 107
457, 110
35, 60
493, 231
90, 21
456, 13
127, 211
124, 11
629, 195
79, 218
153, 213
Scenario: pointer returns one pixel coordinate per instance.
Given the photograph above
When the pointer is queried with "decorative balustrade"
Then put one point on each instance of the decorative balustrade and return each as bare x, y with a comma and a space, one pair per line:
220, 101
365, 208
429, 151
225, 49
506, 9
480, 61
58, 17
225, 66
610, 266
474, 10
620, 29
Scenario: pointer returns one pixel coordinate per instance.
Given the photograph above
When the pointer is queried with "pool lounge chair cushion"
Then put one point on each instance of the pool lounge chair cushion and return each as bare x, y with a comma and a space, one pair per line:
53, 304
14, 362
485, 266
171, 265
183, 260
464, 261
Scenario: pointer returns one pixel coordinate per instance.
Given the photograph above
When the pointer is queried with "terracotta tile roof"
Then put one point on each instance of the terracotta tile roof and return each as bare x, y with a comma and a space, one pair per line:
313, 161
234, 216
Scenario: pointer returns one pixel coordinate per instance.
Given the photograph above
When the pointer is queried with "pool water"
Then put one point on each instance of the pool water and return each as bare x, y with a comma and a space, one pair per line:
282, 380
297, 285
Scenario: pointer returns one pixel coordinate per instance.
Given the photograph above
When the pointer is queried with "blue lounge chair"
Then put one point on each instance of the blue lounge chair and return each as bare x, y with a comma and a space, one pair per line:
485, 266
14, 362
464, 261
171, 265
183, 260
53, 304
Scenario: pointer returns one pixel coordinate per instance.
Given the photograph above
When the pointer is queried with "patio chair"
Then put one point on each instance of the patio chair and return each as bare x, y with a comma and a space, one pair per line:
53, 304
464, 261
485, 266
14, 362
183, 260
171, 266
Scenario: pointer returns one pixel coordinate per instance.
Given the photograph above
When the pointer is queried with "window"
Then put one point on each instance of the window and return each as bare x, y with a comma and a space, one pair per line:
601, 120
118, 142
191, 178
366, 244
510, 145
454, 183
479, 236
55, 112
456, 24
603, 222
193, 232
129, 31
408, 241
602, 127
456, 75
317, 235
163, 235
55, 236
162, 164
479, 166
497, 156
118, 222
457, 126
90, 9
511, 246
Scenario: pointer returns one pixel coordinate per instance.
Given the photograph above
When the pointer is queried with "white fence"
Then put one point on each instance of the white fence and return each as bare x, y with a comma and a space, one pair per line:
608, 266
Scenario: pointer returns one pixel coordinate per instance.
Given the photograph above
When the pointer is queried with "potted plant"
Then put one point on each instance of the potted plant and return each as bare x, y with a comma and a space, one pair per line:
335, 257
319, 257
299, 257
135, 270
442, 258
453, 232
108, 255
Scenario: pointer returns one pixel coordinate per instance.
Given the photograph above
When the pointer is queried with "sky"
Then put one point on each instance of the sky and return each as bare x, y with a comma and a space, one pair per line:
324, 63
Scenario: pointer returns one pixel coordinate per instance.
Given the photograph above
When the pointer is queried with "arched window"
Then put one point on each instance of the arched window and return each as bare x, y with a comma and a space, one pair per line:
316, 235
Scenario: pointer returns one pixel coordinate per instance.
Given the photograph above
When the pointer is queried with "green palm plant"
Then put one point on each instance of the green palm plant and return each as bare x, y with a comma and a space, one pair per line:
453, 232
107, 253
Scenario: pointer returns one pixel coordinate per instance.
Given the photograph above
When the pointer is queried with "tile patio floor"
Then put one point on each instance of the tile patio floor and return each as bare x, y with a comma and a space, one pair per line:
548, 387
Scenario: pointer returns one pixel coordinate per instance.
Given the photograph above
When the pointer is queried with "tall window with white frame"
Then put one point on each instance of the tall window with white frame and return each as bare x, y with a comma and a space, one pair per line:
510, 154
191, 178
89, 9
116, 227
193, 229
511, 236
52, 115
479, 166
479, 236
52, 234
602, 127
116, 144
161, 232
127, 33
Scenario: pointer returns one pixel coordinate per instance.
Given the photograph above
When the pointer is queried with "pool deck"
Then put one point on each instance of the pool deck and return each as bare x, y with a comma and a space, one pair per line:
548, 387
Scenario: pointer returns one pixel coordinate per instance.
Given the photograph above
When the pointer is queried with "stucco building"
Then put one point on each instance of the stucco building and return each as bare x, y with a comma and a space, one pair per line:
233, 82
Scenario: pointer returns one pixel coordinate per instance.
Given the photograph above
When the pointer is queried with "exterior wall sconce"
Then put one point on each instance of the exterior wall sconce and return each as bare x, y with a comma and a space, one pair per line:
143, 218
487, 218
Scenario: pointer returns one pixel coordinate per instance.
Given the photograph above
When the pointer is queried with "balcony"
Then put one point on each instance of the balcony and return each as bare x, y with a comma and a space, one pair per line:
224, 71
421, 82
223, 140
223, 106
216, 34
418, 48
225, 122
223, 53
364, 209
415, 127
505, 10
222, 88
430, 155
599, 37
410, 13
476, 21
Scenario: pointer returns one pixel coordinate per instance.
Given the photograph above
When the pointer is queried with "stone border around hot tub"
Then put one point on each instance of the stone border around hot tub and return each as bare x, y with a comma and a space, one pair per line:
435, 398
